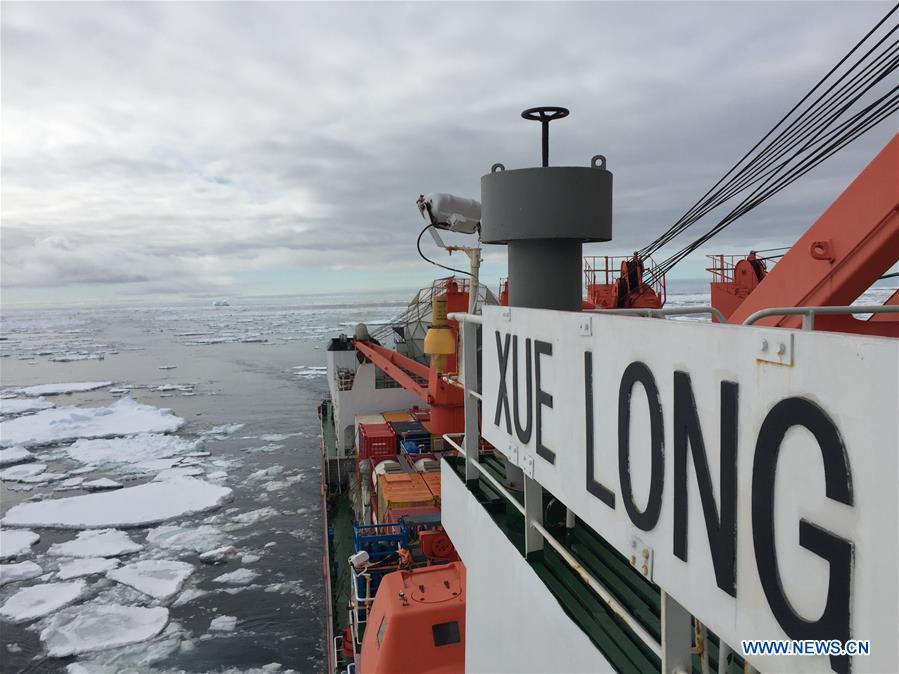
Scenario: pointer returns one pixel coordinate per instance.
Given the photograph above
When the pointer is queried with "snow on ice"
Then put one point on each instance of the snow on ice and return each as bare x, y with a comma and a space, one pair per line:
179, 471
102, 483
254, 516
156, 577
19, 473
37, 601
218, 555
140, 447
100, 543
59, 389
16, 542
13, 573
239, 577
88, 566
97, 627
11, 407
126, 416
145, 504
196, 538
223, 623
15, 455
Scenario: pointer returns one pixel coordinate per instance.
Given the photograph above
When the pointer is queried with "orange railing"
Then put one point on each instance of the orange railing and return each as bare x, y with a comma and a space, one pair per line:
604, 270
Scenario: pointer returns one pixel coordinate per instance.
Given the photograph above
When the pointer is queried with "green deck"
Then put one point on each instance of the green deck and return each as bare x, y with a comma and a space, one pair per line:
618, 643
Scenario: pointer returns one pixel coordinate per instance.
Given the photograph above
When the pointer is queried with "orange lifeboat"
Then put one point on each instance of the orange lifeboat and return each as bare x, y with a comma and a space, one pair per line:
417, 623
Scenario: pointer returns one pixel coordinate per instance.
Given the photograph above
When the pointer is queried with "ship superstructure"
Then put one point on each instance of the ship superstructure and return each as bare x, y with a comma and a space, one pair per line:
564, 477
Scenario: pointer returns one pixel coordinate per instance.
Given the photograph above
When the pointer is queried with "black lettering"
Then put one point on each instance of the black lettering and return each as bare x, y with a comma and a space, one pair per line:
639, 372
834, 621
502, 398
600, 491
544, 399
720, 529
524, 434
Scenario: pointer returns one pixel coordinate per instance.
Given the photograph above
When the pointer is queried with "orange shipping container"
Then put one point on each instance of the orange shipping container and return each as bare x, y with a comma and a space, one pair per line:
402, 490
432, 479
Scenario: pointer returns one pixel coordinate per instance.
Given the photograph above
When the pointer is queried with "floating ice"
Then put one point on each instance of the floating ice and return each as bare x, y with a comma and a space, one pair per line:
37, 601
145, 504
188, 596
86, 567
19, 473
218, 555
14, 543
164, 388
223, 623
179, 471
198, 538
250, 559
101, 543
167, 367
71, 357
102, 483
140, 447
239, 577
126, 416
13, 573
310, 372
23, 405
263, 448
44, 477
96, 627
254, 516
15, 455
265, 473
71, 483
58, 389
158, 578
227, 429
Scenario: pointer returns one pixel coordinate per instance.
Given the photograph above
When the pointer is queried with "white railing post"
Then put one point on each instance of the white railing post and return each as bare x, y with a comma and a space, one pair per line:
677, 637
470, 381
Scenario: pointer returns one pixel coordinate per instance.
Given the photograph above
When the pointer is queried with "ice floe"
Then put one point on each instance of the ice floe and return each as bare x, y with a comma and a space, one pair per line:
188, 596
96, 627
99, 543
254, 516
13, 573
88, 566
223, 623
101, 484
310, 372
226, 429
179, 471
59, 389
23, 405
36, 601
158, 578
126, 416
239, 577
15, 455
196, 538
127, 450
149, 503
19, 473
218, 555
16, 542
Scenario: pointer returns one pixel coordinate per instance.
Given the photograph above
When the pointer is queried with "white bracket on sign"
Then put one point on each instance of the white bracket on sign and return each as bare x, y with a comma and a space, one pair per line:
527, 465
506, 314
512, 454
641, 557
775, 346
585, 326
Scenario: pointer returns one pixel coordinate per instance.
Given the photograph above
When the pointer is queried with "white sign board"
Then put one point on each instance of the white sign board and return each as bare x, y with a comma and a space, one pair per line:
758, 464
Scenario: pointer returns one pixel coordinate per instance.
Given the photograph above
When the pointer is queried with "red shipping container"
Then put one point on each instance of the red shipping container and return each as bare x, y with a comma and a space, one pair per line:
376, 441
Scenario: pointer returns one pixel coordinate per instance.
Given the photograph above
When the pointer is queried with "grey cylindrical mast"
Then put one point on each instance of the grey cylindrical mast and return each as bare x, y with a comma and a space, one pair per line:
545, 215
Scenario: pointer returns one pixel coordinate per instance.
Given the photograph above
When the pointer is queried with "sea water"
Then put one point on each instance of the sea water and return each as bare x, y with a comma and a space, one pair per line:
245, 378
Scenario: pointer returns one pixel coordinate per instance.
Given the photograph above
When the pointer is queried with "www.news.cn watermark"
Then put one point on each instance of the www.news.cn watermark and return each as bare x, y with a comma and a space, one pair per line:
828, 647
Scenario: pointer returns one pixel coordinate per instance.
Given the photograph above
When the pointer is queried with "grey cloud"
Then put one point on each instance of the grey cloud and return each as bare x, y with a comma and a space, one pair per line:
168, 147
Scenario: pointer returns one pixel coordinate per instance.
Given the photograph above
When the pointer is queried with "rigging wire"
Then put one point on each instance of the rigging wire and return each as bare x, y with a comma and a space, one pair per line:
809, 131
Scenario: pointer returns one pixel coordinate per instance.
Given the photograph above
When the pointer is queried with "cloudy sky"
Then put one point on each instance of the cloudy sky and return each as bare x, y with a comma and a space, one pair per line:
177, 150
